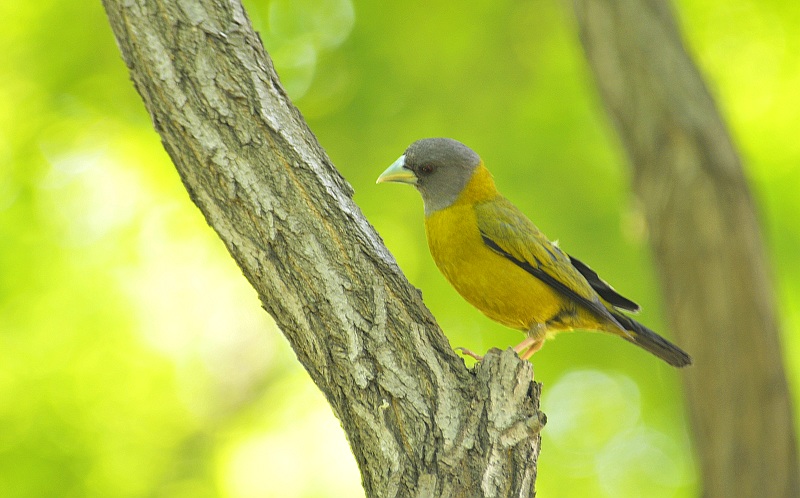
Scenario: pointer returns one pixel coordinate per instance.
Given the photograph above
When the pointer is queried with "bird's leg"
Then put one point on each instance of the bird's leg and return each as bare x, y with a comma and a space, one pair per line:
532, 343
525, 344
467, 352
536, 346
525, 349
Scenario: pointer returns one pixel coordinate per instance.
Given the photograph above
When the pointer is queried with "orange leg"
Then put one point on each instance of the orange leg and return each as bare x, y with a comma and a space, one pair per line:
536, 346
525, 344
532, 343
525, 349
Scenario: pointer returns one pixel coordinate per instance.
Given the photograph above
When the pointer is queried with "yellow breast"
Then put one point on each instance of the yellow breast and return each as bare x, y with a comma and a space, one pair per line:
493, 284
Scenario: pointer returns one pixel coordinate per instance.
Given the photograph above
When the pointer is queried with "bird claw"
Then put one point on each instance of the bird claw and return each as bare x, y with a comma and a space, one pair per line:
467, 352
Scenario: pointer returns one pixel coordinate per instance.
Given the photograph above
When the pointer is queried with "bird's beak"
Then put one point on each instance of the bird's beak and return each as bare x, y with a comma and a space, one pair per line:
398, 172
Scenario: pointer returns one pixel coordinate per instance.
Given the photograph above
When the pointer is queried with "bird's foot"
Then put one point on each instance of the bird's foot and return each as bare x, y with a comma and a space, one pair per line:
528, 347
467, 352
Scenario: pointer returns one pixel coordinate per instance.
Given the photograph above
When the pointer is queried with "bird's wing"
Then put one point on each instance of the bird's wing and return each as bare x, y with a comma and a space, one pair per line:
602, 288
508, 232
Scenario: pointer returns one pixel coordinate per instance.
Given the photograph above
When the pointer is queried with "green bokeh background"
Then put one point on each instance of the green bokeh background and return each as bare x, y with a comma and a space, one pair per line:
135, 360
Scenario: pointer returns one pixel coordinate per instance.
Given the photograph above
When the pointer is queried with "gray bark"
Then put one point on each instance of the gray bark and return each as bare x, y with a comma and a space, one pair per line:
419, 423
707, 244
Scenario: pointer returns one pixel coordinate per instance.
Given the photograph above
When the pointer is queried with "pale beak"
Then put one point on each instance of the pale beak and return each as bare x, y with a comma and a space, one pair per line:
397, 172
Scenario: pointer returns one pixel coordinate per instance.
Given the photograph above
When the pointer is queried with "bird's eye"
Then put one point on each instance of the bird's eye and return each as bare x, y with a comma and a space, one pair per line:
426, 169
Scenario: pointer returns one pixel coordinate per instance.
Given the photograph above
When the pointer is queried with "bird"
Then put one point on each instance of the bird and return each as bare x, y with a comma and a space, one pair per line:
502, 264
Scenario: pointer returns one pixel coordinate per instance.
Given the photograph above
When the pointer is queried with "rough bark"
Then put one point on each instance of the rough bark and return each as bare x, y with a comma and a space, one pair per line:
707, 244
419, 423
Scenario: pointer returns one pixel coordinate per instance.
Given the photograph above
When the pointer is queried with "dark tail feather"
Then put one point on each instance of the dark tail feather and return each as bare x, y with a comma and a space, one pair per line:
652, 342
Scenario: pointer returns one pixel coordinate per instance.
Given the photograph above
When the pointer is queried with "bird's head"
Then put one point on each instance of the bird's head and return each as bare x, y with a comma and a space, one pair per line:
439, 168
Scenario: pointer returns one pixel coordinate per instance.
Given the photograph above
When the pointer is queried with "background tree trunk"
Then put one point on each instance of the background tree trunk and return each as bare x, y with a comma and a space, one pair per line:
418, 422
707, 244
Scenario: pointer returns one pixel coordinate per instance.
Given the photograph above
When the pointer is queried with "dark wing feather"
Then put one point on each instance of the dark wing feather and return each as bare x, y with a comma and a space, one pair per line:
602, 288
537, 271
506, 231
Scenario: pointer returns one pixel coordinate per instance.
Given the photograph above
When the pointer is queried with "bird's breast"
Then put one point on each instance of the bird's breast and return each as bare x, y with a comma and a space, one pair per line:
490, 282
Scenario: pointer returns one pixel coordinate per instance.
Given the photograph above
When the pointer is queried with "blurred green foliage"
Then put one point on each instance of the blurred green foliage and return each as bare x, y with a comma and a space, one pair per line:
136, 361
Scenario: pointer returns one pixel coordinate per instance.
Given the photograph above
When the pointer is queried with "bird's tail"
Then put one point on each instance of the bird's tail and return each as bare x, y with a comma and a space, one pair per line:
652, 342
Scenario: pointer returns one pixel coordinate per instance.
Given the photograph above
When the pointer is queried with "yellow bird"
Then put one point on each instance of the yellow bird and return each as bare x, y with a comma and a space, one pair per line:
498, 260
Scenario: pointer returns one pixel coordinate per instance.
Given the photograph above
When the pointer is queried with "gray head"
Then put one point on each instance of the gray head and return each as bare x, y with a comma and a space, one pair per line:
439, 167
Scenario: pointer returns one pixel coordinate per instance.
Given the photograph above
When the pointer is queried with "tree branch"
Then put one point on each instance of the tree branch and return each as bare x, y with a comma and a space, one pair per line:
418, 422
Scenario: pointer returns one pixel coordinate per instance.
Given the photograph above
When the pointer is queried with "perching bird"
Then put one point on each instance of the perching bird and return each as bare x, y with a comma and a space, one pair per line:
498, 260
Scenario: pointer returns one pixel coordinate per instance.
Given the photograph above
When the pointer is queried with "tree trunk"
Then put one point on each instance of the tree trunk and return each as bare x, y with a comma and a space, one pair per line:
418, 422
707, 244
